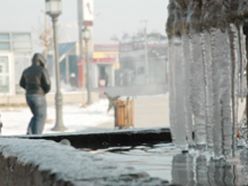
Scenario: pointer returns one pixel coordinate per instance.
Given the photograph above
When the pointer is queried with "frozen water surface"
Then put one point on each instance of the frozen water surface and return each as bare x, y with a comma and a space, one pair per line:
166, 162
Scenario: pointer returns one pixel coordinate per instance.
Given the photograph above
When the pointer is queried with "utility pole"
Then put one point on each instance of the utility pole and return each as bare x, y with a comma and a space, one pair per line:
87, 39
85, 23
80, 33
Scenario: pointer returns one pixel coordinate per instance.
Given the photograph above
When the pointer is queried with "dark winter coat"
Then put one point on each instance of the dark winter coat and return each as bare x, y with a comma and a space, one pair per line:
35, 79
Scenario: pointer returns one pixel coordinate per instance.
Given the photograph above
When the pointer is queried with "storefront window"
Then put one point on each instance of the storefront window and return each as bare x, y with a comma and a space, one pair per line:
4, 74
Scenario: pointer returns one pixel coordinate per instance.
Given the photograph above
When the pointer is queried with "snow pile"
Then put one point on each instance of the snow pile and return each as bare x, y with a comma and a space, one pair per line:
57, 158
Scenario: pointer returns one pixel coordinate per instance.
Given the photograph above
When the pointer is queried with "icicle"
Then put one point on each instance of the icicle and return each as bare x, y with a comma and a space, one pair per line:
242, 60
201, 170
179, 81
198, 106
172, 92
177, 89
187, 80
222, 90
241, 66
234, 35
217, 135
207, 73
182, 170
208, 87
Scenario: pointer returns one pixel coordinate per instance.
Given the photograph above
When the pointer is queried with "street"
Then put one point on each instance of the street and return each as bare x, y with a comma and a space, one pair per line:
149, 112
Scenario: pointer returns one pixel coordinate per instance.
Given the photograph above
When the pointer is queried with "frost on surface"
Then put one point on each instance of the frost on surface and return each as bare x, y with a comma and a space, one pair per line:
68, 163
206, 77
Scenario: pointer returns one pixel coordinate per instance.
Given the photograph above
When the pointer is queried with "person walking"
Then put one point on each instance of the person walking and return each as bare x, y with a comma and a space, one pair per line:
36, 82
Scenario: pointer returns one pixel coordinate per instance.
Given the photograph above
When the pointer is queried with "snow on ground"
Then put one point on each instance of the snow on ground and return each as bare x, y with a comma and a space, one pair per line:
76, 118
83, 169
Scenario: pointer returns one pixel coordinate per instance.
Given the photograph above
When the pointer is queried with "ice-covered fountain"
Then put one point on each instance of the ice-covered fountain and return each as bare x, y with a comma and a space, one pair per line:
207, 54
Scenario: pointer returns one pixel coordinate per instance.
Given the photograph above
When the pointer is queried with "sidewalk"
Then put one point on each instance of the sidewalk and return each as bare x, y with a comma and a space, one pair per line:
76, 118
149, 112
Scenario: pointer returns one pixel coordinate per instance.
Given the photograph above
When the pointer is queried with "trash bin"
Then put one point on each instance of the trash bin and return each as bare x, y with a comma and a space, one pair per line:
124, 114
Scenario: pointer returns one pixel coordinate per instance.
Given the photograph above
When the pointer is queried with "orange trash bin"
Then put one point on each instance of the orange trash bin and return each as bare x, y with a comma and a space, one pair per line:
124, 114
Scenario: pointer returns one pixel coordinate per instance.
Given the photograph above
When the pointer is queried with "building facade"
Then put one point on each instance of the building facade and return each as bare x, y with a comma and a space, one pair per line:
15, 55
143, 61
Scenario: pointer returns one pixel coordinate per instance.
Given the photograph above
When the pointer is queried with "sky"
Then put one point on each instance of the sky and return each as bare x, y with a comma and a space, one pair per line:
112, 17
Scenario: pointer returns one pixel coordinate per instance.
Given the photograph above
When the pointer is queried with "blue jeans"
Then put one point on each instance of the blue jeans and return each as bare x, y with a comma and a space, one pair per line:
38, 107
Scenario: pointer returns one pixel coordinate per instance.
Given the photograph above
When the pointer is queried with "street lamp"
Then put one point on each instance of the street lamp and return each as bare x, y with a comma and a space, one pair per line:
53, 9
87, 38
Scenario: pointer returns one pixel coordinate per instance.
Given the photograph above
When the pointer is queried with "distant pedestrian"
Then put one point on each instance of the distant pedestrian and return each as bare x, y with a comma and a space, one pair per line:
36, 81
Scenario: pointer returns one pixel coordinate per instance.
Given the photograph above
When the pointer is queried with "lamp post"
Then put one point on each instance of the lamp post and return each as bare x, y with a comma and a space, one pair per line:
87, 38
53, 9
